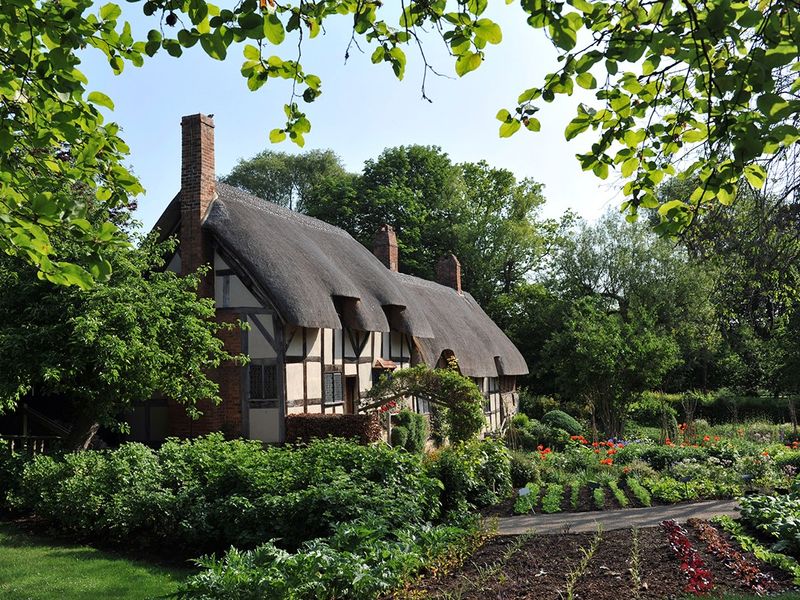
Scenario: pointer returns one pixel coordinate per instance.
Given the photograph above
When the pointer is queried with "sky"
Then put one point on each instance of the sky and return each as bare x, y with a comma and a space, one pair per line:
363, 110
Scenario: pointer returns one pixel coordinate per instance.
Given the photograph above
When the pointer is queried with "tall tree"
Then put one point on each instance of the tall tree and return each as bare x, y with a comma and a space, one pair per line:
142, 331
285, 179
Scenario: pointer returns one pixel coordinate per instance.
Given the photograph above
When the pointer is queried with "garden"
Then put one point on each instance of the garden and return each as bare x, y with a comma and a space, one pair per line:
332, 518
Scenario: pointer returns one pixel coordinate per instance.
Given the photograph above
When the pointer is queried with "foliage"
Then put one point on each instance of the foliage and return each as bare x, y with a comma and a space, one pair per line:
476, 473
360, 560
618, 494
652, 410
777, 516
207, 494
415, 428
551, 502
535, 406
530, 434
747, 573
699, 580
639, 491
750, 544
304, 427
523, 469
527, 502
286, 179
599, 497
144, 330
561, 420
460, 401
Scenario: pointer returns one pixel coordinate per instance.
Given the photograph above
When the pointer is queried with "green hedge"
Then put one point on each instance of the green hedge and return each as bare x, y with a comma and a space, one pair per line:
208, 493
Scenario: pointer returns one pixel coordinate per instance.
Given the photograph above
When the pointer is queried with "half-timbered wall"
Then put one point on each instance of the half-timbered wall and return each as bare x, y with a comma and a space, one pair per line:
309, 370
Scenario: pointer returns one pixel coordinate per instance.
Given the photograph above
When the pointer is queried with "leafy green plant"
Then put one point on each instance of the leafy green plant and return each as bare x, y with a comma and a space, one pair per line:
476, 473
575, 493
551, 503
750, 544
599, 497
618, 494
414, 428
523, 469
639, 491
527, 502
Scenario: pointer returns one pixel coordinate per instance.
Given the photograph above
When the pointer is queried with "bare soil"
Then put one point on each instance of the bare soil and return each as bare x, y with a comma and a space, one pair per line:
537, 567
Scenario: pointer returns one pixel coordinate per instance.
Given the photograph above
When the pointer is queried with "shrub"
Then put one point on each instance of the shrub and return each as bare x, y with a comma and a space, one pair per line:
523, 469
365, 428
11, 466
399, 436
558, 419
651, 410
207, 494
476, 473
535, 406
529, 434
416, 428
659, 457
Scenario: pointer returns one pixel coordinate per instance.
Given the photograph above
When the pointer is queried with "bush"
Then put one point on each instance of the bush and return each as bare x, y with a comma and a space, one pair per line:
208, 494
558, 419
651, 410
476, 473
366, 428
659, 457
529, 434
11, 465
535, 406
399, 436
523, 469
416, 428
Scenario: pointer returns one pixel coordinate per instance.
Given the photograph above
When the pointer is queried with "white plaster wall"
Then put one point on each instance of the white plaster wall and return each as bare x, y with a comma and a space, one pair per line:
257, 345
294, 381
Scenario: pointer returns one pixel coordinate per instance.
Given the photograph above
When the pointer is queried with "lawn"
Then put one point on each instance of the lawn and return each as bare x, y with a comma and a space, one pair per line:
34, 567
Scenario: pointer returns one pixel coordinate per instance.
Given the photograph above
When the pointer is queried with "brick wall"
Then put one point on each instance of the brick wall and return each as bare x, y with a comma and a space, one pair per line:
384, 246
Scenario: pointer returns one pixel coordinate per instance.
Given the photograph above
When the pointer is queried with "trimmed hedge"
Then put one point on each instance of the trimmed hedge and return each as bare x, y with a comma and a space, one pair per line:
558, 419
305, 427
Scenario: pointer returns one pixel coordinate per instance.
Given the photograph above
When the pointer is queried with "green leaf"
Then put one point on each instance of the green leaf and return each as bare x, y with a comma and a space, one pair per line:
533, 124
586, 81
100, 99
509, 128
755, 175
273, 29
503, 115
489, 31
251, 52
577, 126
629, 166
110, 12
467, 62
277, 135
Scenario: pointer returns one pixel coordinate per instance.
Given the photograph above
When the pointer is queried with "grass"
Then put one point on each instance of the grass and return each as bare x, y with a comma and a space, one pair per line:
38, 568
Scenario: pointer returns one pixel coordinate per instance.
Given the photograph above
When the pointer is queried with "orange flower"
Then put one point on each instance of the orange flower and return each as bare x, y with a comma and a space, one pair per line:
607, 461
540, 447
707, 438
765, 453
716, 438
597, 451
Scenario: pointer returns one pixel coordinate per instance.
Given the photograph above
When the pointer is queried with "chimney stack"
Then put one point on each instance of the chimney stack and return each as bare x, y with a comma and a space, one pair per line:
384, 246
448, 272
198, 190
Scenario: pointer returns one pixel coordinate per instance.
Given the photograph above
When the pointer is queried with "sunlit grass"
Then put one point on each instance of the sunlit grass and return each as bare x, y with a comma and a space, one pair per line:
38, 568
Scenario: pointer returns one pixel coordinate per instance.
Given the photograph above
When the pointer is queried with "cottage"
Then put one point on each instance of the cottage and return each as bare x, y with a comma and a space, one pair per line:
326, 316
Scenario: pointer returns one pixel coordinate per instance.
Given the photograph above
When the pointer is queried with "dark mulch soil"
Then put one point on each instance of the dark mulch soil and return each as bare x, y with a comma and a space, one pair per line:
539, 570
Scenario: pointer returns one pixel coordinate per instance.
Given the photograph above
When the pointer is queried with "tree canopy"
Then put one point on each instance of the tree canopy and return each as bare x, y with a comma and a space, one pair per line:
708, 89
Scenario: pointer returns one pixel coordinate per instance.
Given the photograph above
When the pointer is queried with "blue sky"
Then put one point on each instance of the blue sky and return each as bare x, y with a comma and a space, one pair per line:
363, 109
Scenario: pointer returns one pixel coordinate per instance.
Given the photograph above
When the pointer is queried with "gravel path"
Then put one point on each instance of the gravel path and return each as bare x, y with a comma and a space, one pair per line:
614, 519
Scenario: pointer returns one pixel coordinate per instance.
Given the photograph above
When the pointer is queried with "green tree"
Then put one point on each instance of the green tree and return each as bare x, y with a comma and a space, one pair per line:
713, 85
603, 361
285, 179
141, 331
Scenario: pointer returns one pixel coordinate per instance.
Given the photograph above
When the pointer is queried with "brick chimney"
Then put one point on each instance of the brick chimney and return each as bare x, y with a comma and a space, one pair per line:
198, 189
384, 246
448, 272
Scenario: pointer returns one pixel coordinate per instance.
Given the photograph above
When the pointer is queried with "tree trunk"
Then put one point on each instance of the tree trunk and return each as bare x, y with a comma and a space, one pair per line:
83, 430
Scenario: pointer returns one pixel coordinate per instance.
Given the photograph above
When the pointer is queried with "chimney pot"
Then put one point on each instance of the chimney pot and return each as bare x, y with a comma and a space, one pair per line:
384, 246
448, 272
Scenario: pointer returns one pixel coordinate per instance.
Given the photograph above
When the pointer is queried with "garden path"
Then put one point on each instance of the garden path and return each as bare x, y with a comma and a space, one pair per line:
614, 519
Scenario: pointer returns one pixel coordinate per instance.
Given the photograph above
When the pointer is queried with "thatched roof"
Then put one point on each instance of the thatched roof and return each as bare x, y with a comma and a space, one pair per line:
460, 326
307, 269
